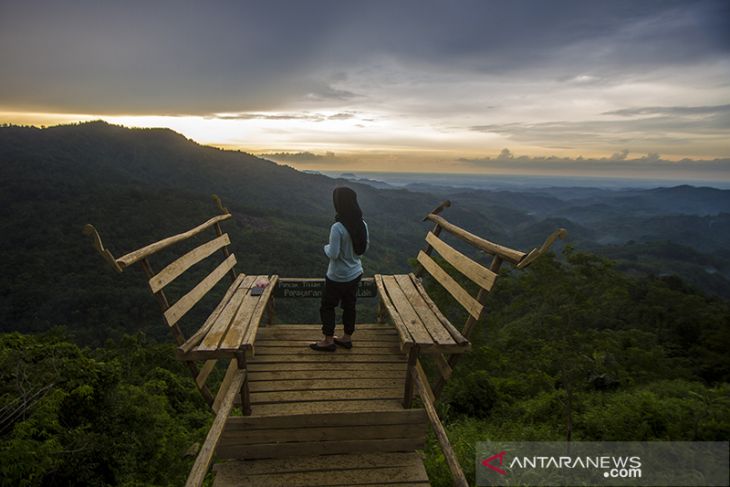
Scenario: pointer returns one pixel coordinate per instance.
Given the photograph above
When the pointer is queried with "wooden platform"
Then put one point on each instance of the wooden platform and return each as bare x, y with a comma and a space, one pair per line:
371, 469
287, 377
321, 418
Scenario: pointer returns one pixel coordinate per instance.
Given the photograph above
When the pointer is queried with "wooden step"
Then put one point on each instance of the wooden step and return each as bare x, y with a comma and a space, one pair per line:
371, 469
249, 437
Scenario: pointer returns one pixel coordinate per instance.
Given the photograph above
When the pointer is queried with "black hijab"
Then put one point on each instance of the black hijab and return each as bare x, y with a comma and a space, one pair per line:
350, 215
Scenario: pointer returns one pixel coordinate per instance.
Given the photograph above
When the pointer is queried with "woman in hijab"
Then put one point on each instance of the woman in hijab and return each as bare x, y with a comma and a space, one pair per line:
349, 239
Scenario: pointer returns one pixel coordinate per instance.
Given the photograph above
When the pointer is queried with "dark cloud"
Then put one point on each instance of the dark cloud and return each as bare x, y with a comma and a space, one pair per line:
167, 57
303, 158
645, 127
649, 165
701, 110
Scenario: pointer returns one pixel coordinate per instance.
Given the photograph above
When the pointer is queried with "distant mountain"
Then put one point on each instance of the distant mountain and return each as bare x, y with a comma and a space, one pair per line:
139, 185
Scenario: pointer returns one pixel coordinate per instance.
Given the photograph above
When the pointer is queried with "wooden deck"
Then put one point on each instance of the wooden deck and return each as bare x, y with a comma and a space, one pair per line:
312, 420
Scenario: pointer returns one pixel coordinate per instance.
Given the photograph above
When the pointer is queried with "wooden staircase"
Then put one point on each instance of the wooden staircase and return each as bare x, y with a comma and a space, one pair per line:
324, 418
314, 418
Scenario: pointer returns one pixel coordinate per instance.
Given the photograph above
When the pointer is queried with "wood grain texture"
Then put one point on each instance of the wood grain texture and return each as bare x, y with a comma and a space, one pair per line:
362, 418
455, 334
277, 450
511, 255
451, 459
198, 335
205, 372
322, 433
184, 304
479, 274
218, 330
264, 302
471, 305
331, 407
210, 445
404, 308
368, 469
153, 248
324, 383
387, 302
317, 464
232, 372
300, 396
431, 322
176, 268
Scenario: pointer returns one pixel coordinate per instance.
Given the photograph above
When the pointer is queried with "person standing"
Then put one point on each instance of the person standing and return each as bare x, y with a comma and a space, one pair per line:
349, 239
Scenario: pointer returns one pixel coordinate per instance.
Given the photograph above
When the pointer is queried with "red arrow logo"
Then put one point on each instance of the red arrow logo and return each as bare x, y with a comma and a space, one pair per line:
488, 462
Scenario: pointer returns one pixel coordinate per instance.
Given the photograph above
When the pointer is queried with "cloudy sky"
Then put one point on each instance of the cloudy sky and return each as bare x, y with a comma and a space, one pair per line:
638, 88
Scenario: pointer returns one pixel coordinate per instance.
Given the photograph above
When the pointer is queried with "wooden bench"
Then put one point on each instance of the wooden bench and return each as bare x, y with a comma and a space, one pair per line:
421, 325
230, 330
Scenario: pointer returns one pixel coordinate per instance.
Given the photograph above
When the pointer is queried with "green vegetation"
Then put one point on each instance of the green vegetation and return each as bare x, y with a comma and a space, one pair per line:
124, 414
579, 350
575, 347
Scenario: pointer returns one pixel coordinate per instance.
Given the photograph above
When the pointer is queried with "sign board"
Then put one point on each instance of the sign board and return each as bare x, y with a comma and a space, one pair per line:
313, 288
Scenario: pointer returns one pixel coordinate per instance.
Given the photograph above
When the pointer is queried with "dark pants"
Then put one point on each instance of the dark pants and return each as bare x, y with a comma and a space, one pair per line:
344, 294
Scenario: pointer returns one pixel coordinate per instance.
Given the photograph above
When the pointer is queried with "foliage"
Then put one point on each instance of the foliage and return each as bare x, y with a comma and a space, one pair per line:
121, 415
574, 347
579, 350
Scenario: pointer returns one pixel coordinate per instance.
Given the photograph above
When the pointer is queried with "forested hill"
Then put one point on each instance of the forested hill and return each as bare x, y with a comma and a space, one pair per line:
139, 185
572, 347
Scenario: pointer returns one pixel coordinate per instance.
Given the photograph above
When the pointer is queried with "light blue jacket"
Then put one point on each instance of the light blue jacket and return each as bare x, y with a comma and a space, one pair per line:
344, 264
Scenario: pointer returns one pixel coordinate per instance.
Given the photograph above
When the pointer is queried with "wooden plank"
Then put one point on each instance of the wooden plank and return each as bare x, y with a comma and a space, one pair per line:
303, 349
424, 379
324, 383
264, 300
430, 321
231, 375
183, 305
479, 274
455, 334
317, 463
323, 433
331, 407
205, 455
215, 334
269, 450
405, 309
198, 336
265, 343
386, 301
328, 358
241, 322
179, 266
311, 335
513, 256
370, 469
279, 375
150, 249
363, 418
324, 395
443, 439
205, 372
318, 326
344, 366
408, 386
443, 366
470, 304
